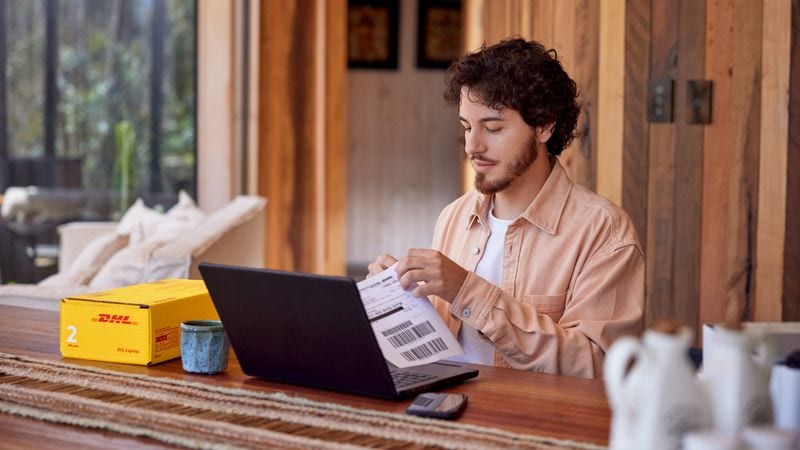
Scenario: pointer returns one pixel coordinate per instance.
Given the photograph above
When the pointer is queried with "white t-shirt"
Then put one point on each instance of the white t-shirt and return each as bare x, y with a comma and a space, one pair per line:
490, 267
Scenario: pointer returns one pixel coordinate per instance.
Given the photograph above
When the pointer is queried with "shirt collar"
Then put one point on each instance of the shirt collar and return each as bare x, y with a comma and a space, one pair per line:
546, 209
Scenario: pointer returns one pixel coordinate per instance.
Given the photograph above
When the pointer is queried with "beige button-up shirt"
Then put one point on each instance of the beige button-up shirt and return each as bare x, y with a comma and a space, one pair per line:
573, 278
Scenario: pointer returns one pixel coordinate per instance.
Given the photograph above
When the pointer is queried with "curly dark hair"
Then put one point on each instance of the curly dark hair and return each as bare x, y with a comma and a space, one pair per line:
522, 76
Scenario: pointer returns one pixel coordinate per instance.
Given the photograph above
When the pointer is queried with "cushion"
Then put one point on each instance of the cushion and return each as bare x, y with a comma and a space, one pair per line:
182, 217
89, 261
138, 221
173, 259
126, 267
149, 230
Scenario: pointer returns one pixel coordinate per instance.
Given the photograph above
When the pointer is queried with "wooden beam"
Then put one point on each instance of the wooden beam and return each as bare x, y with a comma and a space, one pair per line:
301, 122
332, 223
216, 168
775, 63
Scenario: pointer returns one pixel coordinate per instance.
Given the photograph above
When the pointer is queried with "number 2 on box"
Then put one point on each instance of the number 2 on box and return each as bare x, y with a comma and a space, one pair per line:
71, 338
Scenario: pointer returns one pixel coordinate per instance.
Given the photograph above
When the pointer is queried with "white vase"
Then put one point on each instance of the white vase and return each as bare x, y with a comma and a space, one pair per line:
657, 401
736, 376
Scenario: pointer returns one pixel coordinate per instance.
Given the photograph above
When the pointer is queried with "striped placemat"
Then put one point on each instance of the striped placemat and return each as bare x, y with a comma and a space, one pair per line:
201, 416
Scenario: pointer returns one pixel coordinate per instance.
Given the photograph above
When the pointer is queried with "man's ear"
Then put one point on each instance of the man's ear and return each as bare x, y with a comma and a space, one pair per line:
544, 132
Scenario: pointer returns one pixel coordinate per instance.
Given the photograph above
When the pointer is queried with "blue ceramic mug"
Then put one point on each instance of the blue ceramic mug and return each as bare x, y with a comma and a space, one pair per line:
204, 346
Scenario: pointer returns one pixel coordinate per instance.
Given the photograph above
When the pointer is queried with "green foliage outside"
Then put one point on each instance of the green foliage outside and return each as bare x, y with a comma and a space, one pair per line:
105, 66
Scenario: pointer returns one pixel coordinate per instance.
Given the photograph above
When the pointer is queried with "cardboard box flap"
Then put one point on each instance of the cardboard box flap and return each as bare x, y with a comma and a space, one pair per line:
148, 294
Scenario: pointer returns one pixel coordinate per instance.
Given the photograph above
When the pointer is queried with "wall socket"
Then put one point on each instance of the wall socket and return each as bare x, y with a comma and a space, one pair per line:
659, 101
698, 101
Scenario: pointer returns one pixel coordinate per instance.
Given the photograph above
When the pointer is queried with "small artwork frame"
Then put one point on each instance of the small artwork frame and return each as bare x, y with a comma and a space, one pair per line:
373, 27
439, 40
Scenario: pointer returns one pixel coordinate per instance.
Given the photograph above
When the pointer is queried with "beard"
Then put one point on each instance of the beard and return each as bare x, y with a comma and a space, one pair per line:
513, 170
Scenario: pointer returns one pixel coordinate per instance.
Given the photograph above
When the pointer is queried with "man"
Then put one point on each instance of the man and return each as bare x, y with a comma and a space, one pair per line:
531, 271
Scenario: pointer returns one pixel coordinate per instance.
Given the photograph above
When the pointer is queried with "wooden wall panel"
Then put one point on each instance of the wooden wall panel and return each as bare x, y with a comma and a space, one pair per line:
699, 195
791, 261
333, 229
636, 128
611, 97
688, 167
675, 161
572, 29
730, 160
661, 168
771, 226
300, 164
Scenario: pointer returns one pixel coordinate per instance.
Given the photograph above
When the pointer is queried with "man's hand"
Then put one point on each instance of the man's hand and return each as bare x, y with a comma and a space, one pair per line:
381, 263
441, 275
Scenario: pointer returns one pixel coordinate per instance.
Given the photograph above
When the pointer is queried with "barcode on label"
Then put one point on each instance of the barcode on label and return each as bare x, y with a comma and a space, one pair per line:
408, 336
427, 349
396, 328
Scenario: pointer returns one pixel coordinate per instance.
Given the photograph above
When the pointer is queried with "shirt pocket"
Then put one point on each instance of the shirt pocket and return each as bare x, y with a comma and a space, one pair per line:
550, 305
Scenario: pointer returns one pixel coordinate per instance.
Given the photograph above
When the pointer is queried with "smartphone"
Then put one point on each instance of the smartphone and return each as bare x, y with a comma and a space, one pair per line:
435, 404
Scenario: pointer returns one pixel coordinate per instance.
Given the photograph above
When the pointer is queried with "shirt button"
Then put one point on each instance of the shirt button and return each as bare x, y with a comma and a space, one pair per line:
465, 312
475, 249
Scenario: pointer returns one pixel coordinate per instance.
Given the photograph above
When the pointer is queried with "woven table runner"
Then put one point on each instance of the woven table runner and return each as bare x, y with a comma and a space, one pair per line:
201, 416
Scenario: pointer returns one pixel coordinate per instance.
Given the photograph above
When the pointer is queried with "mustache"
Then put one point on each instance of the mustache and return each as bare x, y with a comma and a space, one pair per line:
482, 158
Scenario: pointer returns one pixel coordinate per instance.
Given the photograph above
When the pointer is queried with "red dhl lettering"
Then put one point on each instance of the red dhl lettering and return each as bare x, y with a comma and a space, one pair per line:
109, 318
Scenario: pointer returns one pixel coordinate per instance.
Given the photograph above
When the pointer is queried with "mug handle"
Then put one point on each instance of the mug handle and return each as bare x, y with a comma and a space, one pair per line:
614, 370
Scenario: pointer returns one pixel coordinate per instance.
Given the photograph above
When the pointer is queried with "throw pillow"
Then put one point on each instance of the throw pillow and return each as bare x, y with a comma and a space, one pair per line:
89, 261
126, 267
181, 218
138, 221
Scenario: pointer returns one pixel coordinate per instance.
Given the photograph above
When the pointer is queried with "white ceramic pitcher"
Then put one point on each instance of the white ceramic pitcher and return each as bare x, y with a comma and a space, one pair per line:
736, 375
660, 398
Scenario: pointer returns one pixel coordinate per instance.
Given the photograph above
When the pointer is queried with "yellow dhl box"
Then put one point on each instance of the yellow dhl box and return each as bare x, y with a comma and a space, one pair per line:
138, 324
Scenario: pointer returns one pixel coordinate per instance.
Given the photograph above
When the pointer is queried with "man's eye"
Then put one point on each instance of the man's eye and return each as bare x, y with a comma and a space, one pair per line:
493, 130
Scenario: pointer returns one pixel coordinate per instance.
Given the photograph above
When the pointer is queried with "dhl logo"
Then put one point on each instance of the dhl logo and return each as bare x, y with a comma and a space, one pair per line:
109, 318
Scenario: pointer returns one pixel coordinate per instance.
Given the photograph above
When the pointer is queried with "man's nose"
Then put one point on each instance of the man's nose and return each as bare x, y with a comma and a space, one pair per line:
472, 144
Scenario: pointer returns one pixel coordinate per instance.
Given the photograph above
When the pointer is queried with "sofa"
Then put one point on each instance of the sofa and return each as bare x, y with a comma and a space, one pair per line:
145, 246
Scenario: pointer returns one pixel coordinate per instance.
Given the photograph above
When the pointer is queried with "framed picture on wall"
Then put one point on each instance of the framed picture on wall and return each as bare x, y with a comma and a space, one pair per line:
438, 33
372, 34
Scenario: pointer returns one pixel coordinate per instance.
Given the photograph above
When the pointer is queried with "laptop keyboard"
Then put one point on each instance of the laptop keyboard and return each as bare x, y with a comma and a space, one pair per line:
404, 378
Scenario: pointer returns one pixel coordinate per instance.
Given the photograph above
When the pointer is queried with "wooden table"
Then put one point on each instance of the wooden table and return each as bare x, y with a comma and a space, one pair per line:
513, 400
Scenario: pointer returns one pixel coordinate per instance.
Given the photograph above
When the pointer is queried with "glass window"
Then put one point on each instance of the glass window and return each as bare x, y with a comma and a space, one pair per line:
99, 109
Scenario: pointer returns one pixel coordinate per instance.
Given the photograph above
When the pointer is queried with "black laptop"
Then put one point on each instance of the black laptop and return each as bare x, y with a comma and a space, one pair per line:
312, 330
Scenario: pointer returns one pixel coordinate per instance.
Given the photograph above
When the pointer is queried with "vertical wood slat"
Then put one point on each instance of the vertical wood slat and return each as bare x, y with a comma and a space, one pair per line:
775, 63
290, 158
791, 261
688, 167
661, 169
335, 141
572, 29
215, 114
611, 99
674, 167
635, 143
730, 165
474, 36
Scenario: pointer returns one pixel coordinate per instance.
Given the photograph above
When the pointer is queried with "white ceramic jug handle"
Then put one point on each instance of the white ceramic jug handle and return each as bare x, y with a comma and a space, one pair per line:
617, 360
765, 350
